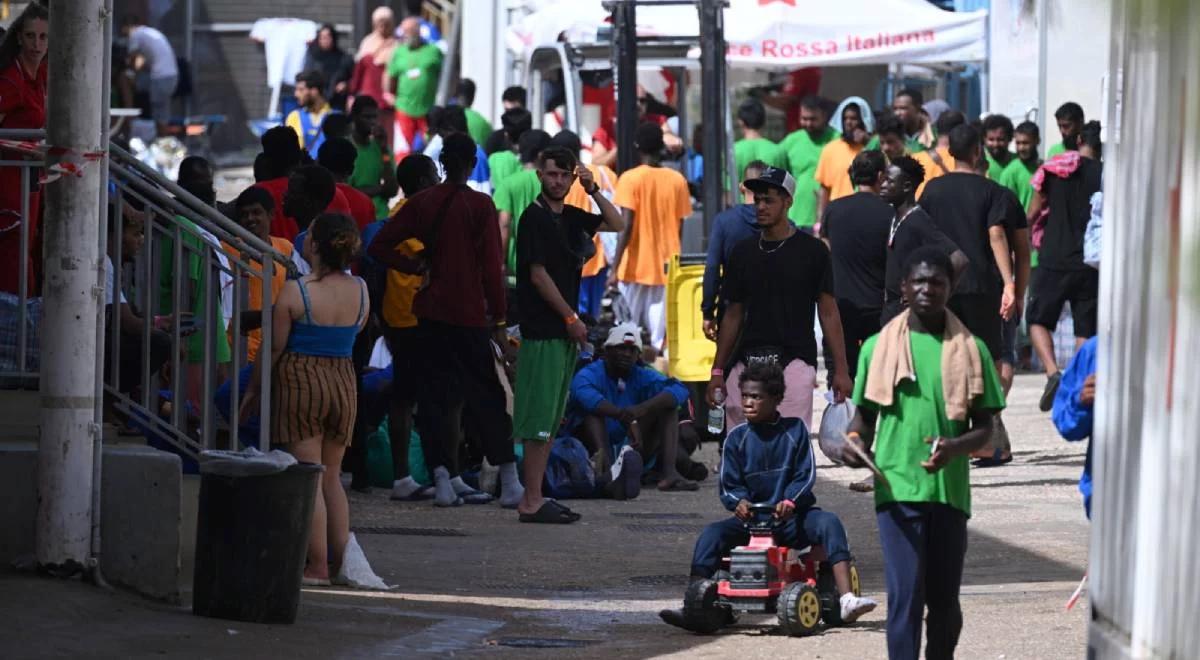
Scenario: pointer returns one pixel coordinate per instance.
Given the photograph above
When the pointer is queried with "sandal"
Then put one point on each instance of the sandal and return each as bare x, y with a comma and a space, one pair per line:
418, 495
476, 497
678, 485
550, 513
995, 460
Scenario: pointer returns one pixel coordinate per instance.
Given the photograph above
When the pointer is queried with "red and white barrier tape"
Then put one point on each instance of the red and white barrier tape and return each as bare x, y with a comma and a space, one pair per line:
69, 161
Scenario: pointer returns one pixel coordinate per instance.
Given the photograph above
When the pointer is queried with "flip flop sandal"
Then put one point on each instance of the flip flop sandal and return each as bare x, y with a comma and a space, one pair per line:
564, 508
418, 495
314, 582
995, 460
679, 485
550, 513
476, 497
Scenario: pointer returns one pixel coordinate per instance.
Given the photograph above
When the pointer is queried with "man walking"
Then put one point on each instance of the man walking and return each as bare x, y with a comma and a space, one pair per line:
753, 145
730, 227
554, 243
1019, 171
410, 82
930, 389
307, 119
803, 151
997, 136
655, 201
1069, 117
775, 283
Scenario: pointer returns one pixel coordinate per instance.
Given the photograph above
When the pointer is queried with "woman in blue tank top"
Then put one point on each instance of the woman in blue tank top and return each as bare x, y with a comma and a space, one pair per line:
313, 401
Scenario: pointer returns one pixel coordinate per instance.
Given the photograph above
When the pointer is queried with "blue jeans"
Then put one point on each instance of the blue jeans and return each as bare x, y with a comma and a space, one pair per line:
591, 293
923, 549
802, 529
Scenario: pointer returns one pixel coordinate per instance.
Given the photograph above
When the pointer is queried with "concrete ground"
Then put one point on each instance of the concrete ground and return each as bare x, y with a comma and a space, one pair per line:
472, 582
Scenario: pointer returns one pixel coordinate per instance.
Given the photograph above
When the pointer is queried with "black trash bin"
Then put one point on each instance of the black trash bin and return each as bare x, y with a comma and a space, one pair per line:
252, 541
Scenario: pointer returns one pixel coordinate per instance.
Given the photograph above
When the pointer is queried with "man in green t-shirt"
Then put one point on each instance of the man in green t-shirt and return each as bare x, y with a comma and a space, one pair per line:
803, 151
752, 116
373, 174
997, 135
1020, 170
514, 194
923, 504
1070, 122
410, 82
504, 163
478, 127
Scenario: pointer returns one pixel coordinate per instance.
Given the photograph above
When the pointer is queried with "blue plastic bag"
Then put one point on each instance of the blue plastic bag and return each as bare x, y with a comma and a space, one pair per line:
569, 472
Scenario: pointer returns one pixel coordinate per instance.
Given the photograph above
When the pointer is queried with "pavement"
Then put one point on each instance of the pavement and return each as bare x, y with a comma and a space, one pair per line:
472, 582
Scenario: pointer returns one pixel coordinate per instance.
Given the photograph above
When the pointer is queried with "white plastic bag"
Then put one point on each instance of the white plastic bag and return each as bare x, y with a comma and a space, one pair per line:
1095, 229
835, 422
248, 462
356, 571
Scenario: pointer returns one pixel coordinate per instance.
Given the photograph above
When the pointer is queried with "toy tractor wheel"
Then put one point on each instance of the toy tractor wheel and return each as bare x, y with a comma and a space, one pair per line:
831, 601
702, 613
799, 609
720, 575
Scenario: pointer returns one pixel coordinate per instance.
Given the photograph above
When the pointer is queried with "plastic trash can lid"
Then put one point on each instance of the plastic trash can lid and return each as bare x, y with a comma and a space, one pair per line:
249, 462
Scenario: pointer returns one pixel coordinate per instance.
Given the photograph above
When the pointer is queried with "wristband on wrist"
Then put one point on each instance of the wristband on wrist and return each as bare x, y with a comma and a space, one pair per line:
571, 319
788, 502
853, 434
718, 372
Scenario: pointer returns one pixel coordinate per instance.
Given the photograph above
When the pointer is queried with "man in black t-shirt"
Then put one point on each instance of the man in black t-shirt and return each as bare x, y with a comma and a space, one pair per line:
774, 284
911, 228
855, 228
1061, 275
554, 242
972, 211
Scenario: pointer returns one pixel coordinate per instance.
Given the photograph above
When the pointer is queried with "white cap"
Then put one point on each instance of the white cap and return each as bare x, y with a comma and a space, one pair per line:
625, 334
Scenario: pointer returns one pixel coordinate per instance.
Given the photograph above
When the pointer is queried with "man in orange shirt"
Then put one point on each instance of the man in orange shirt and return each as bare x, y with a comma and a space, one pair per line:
655, 200
833, 168
938, 161
595, 271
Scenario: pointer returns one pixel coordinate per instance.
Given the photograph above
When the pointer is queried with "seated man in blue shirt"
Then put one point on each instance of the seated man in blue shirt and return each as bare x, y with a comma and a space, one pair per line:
623, 403
1074, 407
769, 460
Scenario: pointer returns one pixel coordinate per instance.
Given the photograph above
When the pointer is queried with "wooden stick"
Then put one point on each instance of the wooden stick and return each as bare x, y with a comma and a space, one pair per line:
862, 456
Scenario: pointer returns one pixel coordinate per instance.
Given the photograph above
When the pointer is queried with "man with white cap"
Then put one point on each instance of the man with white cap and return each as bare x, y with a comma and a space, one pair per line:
623, 402
774, 284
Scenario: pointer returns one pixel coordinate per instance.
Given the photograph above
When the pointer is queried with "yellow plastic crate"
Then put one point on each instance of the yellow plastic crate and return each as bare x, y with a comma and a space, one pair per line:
691, 353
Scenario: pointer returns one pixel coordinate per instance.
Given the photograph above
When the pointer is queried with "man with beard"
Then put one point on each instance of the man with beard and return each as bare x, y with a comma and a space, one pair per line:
1069, 117
833, 167
803, 151
890, 139
1019, 171
997, 135
554, 242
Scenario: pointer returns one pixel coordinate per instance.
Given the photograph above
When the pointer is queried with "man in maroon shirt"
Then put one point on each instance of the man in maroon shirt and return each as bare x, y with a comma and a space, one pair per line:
338, 155
461, 311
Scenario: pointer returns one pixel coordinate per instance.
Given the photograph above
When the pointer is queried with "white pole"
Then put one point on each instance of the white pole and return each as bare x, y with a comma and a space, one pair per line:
1043, 15
71, 294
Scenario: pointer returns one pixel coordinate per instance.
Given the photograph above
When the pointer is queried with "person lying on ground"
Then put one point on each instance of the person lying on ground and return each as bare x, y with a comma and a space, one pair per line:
769, 460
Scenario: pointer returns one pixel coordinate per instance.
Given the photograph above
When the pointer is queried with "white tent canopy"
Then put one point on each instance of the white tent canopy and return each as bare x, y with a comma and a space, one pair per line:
785, 33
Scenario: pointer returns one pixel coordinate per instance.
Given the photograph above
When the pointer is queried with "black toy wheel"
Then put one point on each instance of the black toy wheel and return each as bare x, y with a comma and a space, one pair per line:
702, 613
831, 600
720, 575
799, 609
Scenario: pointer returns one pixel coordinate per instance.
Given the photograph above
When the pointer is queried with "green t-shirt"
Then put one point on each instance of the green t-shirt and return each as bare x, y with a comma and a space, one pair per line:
368, 171
918, 411
911, 144
1016, 176
477, 126
748, 151
803, 153
995, 168
502, 165
1055, 150
416, 71
193, 287
514, 194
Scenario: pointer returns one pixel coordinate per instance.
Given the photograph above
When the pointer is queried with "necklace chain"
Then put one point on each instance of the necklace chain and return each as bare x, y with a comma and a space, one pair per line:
774, 249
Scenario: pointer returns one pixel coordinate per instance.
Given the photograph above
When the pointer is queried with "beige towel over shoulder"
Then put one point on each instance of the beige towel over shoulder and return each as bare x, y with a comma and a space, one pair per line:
892, 362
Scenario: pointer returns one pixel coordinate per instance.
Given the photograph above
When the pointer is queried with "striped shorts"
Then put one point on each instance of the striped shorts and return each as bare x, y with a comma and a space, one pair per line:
313, 396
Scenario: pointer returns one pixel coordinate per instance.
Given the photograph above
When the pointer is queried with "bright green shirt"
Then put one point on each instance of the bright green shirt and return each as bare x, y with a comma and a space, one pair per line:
192, 287
502, 165
368, 171
416, 72
477, 126
748, 151
911, 144
803, 153
918, 411
514, 194
1016, 176
1056, 150
995, 168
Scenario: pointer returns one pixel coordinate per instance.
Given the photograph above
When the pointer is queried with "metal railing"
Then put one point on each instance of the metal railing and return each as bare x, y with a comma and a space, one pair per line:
189, 288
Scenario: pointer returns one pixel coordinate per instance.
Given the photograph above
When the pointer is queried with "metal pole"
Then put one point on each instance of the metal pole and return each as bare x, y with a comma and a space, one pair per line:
625, 82
189, 49
68, 387
712, 108
1043, 68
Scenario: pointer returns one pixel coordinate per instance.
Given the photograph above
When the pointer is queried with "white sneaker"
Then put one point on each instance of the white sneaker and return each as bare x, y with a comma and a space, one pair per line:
855, 606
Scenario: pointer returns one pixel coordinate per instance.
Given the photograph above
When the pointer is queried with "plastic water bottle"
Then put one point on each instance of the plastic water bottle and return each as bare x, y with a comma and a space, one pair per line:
716, 414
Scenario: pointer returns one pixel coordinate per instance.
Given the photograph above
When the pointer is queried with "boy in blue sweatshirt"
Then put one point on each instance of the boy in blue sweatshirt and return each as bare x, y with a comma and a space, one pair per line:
769, 459
1074, 407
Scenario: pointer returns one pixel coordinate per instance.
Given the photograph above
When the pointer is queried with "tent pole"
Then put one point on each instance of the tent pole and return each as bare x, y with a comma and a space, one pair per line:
625, 59
985, 72
712, 106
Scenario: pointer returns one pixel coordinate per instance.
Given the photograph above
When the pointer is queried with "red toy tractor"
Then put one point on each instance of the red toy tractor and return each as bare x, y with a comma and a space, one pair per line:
763, 577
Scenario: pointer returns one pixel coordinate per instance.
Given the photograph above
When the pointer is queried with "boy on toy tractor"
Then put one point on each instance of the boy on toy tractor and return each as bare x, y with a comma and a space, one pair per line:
768, 460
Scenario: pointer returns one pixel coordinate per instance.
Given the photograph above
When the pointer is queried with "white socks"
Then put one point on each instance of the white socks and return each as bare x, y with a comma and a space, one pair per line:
404, 488
444, 494
460, 486
511, 490
855, 606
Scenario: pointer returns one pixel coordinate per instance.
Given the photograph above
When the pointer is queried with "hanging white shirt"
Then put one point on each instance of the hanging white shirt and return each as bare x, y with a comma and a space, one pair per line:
286, 43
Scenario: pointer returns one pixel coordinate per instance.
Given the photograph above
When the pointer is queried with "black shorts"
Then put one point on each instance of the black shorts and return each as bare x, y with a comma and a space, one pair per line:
1049, 289
404, 344
980, 312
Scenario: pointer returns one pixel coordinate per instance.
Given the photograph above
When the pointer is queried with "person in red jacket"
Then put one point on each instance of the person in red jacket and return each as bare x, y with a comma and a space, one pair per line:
338, 155
281, 155
461, 312
22, 106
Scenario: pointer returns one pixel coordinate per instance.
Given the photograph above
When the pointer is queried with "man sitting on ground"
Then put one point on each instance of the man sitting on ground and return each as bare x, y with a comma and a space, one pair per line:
622, 402
769, 460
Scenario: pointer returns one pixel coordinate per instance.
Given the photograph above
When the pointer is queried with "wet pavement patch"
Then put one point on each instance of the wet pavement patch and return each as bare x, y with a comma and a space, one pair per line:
657, 516
542, 642
410, 531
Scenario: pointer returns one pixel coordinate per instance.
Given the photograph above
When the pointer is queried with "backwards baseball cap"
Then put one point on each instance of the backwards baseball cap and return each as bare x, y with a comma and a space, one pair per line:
625, 334
772, 177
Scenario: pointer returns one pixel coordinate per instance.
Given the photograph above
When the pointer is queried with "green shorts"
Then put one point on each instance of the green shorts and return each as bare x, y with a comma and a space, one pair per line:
544, 371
